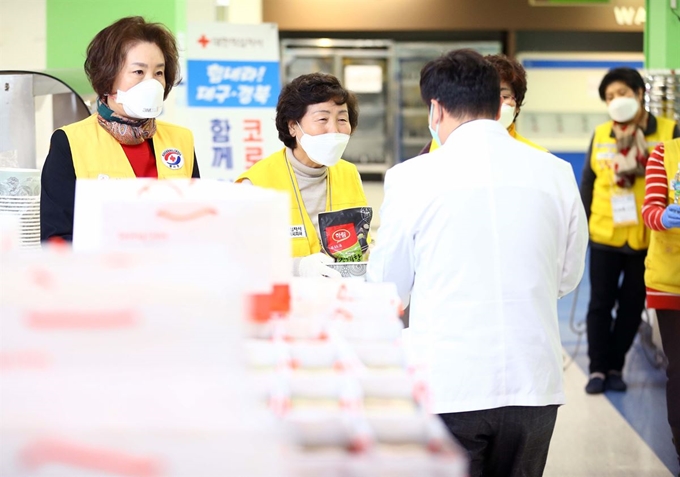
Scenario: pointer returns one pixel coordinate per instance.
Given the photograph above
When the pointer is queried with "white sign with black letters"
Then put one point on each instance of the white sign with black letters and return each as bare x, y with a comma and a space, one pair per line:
298, 231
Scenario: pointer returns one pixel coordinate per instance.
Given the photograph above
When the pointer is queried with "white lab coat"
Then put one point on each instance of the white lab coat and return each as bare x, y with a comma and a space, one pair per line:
485, 233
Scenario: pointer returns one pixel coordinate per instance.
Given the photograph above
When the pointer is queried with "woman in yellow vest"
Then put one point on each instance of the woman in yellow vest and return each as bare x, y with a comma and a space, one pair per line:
132, 66
513, 89
315, 116
613, 191
661, 213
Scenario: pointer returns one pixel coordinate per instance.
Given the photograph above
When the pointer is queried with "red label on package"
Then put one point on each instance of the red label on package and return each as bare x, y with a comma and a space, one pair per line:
340, 237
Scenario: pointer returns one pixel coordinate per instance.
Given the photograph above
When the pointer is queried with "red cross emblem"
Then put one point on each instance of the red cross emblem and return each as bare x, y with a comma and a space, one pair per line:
203, 41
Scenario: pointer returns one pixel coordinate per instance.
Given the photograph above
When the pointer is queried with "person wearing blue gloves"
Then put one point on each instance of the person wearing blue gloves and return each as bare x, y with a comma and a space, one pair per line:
671, 216
613, 191
661, 213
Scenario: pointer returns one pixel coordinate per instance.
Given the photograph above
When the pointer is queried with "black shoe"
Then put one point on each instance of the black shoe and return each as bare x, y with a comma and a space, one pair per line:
615, 383
595, 385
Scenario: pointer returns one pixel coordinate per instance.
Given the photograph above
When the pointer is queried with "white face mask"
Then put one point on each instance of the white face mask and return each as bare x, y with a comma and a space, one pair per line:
144, 100
623, 109
433, 132
507, 115
324, 149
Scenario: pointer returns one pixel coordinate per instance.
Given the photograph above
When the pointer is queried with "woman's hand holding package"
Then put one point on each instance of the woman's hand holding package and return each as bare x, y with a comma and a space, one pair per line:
315, 265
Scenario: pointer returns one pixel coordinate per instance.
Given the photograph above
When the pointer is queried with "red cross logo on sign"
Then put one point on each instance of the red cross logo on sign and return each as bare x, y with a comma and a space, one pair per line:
203, 40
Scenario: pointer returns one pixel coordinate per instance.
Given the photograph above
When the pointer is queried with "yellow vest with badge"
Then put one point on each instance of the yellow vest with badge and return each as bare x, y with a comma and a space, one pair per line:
513, 132
97, 154
601, 223
662, 265
343, 191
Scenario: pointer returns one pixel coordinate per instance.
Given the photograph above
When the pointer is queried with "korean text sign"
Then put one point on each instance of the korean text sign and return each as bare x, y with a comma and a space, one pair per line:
233, 85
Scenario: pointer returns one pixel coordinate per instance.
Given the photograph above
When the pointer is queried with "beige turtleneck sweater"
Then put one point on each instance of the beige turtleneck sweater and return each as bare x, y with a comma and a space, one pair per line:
312, 183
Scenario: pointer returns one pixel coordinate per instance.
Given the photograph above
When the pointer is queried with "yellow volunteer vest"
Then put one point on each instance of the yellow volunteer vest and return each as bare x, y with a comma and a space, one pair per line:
601, 222
662, 265
344, 191
513, 132
96, 153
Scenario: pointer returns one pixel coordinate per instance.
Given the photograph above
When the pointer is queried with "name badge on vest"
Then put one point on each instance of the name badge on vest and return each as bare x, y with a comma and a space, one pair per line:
298, 231
624, 210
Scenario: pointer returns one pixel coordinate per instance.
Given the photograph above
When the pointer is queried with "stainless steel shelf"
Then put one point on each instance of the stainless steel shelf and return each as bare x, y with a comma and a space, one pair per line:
371, 110
411, 82
386, 119
411, 111
415, 141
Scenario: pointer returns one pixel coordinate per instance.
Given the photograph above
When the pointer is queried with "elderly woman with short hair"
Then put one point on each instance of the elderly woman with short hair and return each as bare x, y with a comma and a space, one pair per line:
132, 66
315, 117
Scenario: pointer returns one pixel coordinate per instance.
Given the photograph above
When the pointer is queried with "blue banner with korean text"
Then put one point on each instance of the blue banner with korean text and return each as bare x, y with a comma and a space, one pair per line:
233, 84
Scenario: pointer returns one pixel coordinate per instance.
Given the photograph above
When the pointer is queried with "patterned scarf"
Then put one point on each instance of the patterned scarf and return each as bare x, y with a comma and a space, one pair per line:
129, 132
631, 154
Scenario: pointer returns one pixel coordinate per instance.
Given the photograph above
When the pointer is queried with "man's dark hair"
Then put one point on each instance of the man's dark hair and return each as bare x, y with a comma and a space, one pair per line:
306, 90
464, 83
628, 76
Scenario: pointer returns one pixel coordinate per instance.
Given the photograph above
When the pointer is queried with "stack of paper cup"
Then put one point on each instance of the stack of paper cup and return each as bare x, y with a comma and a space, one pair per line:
20, 197
10, 227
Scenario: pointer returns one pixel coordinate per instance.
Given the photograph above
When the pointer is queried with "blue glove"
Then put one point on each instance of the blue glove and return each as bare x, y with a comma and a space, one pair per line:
671, 216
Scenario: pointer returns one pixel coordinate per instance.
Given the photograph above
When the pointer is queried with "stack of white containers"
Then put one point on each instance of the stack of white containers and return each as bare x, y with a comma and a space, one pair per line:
20, 197
126, 364
335, 371
125, 357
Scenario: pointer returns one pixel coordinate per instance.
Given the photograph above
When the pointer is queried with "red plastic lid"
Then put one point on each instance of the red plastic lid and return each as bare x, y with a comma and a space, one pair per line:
260, 307
280, 298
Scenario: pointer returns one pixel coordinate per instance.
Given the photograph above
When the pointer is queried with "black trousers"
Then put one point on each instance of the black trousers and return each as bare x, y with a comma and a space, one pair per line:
669, 326
609, 340
508, 441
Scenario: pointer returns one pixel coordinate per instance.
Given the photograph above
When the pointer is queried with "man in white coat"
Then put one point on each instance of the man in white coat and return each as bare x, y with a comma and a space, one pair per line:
484, 234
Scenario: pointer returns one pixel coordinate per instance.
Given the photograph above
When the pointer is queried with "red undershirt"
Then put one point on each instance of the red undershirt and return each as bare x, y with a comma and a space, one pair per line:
141, 159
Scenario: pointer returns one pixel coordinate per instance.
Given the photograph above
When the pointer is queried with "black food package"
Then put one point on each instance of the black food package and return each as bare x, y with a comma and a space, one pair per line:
344, 233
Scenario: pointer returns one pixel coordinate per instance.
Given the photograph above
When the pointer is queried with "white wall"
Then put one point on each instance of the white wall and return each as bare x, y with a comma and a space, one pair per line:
245, 11
23, 44
23, 32
562, 105
237, 11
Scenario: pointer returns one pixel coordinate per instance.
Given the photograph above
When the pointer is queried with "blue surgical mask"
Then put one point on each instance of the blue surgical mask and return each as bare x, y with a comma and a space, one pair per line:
433, 132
